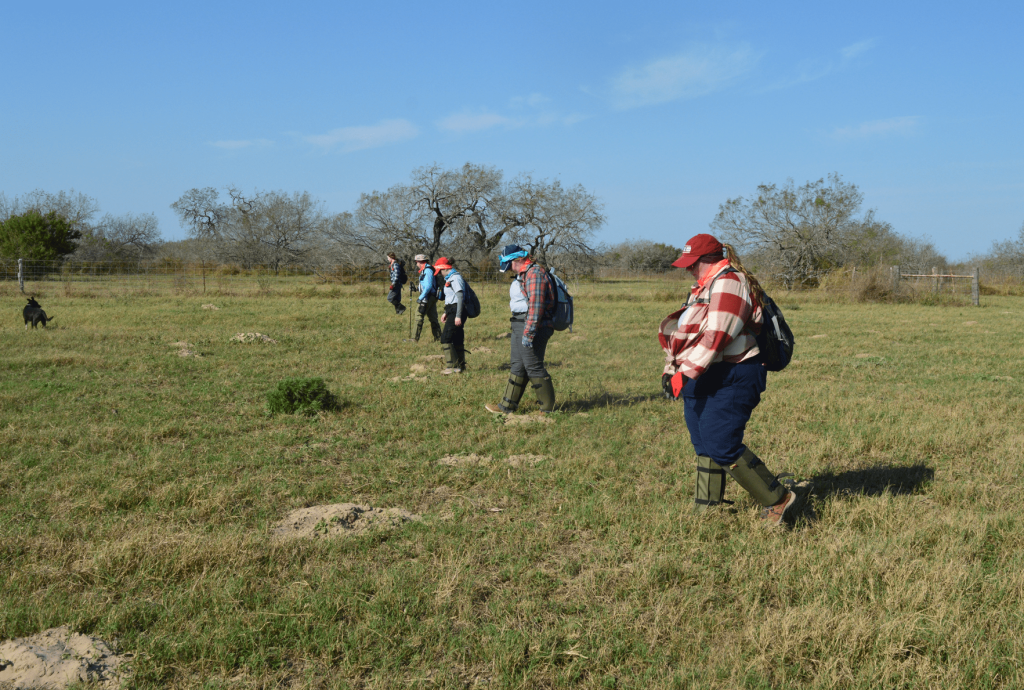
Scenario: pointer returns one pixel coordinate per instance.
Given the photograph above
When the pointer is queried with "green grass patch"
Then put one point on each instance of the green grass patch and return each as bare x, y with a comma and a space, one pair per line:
139, 489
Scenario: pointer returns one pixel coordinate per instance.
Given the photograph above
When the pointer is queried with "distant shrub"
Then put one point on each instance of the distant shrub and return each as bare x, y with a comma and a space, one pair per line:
301, 396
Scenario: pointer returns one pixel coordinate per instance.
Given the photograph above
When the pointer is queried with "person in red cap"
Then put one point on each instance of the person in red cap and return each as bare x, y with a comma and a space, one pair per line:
713, 363
453, 337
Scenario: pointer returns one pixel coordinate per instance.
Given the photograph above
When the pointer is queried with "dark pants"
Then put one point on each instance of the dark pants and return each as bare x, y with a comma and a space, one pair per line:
452, 334
718, 405
395, 297
529, 361
428, 310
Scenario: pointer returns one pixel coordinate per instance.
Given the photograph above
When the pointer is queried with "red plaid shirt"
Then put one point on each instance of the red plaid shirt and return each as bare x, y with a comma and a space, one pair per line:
539, 290
718, 323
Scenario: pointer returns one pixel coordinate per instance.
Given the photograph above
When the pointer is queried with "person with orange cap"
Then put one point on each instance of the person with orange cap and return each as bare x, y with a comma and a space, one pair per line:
453, 337
713, 363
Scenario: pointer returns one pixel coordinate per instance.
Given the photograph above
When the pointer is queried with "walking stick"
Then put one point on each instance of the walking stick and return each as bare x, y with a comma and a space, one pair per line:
411, 293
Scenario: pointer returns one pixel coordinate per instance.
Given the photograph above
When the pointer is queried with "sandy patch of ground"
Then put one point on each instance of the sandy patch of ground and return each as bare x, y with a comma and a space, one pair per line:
820, 335
410, 377
473, 460
253, 338
57, 658
185, 352
418, 368
503, 336
339, 519
214, 307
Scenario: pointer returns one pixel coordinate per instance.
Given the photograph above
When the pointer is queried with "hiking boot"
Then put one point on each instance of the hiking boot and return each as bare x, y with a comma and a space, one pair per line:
495, 408
772, 515
400, 311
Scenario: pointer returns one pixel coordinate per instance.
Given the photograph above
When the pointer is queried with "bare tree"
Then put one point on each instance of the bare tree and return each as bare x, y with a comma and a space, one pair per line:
76, 209
551, 219
802, 232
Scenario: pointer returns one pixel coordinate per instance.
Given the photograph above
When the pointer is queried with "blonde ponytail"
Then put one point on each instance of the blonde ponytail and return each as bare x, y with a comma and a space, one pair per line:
756, 291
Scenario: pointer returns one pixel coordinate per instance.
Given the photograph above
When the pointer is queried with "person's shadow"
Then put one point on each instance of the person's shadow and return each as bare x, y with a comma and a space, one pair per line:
872, 481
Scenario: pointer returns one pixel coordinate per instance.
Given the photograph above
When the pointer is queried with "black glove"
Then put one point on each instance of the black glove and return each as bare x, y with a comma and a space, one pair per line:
422, 308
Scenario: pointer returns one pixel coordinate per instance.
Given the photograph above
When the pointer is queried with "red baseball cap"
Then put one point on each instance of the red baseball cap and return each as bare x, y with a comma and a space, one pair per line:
441, 265
696, 247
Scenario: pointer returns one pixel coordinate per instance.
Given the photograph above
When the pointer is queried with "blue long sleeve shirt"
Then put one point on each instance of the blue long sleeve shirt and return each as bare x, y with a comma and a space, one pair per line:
427, 284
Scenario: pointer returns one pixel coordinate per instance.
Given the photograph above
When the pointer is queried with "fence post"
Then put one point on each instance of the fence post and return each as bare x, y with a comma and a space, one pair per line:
21, 278
935, 272
896, 276
976, 287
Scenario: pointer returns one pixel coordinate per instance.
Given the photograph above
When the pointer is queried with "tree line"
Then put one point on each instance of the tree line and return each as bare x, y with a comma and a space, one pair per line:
788, 233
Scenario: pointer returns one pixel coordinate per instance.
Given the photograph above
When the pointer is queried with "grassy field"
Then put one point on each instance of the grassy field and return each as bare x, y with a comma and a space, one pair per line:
139, 488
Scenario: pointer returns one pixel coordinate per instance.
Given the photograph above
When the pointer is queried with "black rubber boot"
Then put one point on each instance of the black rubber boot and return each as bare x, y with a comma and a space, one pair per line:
710, 489
545, 393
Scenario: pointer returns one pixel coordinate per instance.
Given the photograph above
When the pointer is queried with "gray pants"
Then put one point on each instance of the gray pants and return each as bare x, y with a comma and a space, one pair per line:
529, 361
428, 310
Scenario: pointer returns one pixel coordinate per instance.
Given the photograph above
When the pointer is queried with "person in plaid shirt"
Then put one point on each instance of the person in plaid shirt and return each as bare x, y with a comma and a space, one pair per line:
713, 363
532, 299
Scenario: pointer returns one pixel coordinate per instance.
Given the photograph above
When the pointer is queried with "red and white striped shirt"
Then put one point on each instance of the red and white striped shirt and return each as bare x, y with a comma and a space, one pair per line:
718, 323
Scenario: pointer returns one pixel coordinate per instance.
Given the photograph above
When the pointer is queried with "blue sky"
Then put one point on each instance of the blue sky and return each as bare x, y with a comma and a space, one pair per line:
663, 110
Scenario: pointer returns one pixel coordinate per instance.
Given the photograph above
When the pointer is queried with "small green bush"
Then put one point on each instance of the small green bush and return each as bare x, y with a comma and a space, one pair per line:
301, 396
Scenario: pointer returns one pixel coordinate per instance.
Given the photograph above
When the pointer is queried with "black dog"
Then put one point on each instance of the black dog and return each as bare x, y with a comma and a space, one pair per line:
35, 314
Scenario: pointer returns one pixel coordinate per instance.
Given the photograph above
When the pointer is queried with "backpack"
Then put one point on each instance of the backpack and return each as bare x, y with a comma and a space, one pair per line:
563, 316
470, 302
402, 277
776, 339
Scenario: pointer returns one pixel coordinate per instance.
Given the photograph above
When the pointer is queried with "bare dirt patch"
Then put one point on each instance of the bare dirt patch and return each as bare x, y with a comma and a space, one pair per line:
578, 337
418, 368
503, 336
820, 335
58, 658
253, 338
185, 352
339, 519
213, 307
432, 358
473, 460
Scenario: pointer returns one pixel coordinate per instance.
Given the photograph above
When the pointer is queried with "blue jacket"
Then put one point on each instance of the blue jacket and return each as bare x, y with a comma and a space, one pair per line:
427, 285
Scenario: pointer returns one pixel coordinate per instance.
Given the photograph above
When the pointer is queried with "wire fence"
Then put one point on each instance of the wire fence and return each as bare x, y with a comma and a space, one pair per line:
198, 277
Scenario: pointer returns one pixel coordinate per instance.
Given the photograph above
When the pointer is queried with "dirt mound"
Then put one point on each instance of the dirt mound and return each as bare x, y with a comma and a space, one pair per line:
58, 658
185, 352
503, 336
253, 338
418, 369
211, 306
339, 519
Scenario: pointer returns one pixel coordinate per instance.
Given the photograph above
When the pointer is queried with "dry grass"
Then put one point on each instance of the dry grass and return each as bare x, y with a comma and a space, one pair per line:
138, 493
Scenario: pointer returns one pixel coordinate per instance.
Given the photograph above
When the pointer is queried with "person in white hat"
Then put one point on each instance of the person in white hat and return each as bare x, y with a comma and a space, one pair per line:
427, 301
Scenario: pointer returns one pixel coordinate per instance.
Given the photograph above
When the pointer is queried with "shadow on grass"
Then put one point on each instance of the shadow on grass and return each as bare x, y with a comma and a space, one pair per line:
604, 400
872, 481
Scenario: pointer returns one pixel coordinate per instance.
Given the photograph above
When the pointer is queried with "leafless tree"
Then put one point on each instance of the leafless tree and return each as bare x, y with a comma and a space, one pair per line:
551, 219
76, 208
802, 232
270, 228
